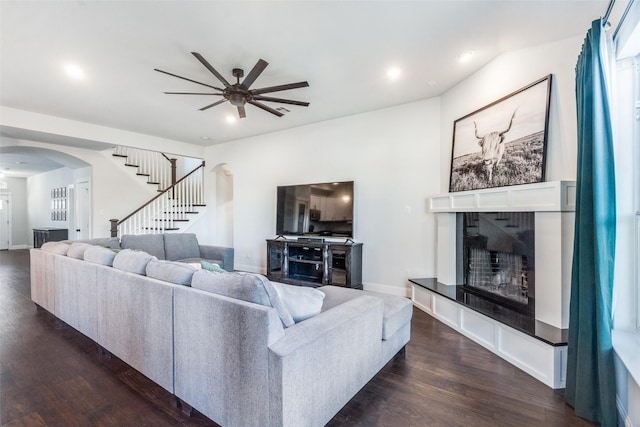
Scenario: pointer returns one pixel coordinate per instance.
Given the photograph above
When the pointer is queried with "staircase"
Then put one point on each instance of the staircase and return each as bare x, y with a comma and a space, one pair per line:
156, 167
178, 203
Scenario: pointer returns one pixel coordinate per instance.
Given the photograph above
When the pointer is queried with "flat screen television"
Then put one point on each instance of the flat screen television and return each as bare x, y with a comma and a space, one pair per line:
315, 210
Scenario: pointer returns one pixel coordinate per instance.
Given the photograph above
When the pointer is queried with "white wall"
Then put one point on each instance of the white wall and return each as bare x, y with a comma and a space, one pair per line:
512, 71
20, 230
391, 154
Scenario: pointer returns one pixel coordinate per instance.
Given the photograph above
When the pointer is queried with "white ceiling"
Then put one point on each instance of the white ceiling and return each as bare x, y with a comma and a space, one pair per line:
342, 48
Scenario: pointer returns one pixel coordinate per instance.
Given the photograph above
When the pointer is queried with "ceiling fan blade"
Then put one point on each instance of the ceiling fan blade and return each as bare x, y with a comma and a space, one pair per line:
282, 101
214, 104
265, 108
254, 73
279, 88
191, 93
241, 111
189, 80
210, 68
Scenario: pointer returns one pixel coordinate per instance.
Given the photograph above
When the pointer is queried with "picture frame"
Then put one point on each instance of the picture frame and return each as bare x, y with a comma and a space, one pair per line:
503, 143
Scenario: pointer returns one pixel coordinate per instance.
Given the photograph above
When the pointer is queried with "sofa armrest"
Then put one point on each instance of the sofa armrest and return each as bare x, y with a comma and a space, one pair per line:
333, 355
218, 253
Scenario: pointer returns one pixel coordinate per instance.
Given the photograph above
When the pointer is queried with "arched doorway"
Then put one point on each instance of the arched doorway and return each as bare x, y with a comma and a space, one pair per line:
223, 178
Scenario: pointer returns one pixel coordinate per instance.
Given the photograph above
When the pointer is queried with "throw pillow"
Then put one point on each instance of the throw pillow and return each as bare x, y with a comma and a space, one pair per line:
248, 287
210, 266
302, 302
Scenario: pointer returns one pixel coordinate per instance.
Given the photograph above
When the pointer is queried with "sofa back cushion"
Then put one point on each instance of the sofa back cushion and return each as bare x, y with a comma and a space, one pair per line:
99, 255
153, 244
77, 249
172, 272
132, 261
178, 246
243, 286
55, 247
107, 242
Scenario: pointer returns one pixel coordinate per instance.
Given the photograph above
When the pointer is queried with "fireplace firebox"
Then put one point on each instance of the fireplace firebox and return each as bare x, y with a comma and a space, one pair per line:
498, 257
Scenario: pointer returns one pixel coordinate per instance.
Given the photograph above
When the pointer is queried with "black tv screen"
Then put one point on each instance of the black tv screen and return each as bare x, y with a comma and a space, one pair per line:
324, 209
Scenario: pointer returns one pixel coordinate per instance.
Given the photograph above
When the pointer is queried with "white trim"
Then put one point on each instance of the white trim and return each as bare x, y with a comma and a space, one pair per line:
387, 289
551, 196
14, 247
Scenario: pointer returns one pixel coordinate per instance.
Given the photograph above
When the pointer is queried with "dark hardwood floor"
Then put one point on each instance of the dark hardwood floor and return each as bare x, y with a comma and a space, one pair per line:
51, 375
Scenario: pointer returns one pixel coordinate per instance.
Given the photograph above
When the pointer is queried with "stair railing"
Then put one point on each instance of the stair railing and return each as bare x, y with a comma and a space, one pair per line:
165, 211
151, 164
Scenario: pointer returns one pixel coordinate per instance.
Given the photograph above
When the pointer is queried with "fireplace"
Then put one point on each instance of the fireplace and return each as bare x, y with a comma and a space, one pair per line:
498, 257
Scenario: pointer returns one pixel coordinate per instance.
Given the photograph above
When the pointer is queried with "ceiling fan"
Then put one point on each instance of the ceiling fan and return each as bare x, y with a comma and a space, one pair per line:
239, 94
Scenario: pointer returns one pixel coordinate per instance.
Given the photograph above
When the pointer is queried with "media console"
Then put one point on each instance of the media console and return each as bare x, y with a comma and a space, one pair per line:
314, 262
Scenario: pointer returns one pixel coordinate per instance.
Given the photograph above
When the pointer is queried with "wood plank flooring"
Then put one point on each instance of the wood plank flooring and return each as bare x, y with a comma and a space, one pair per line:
51, 375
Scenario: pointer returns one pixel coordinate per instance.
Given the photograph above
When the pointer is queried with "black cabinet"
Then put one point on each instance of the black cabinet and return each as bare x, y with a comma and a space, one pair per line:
47, 234
315, 263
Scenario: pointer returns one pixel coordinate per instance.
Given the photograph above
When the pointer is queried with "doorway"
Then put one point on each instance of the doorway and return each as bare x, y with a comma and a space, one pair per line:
5, 220
82, 221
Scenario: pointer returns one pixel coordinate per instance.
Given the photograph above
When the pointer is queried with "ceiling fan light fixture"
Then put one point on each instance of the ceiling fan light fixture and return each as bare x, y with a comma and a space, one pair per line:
73, 71
237, 99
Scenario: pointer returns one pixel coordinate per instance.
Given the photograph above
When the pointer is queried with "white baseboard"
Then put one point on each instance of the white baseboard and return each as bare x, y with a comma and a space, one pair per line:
387, 289
250, 268
14, 247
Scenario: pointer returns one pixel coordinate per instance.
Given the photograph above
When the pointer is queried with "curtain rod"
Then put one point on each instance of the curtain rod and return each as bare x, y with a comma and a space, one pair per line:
608, 12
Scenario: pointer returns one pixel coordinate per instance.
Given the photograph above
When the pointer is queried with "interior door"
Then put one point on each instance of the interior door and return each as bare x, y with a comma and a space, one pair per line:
83, 210
5, 219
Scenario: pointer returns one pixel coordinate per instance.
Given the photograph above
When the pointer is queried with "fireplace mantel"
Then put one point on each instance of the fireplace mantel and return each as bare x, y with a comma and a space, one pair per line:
552, 196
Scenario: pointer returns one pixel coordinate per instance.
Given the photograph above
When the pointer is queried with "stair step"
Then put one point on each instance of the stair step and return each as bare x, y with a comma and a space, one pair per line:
120, 155
151, 182
160, 229
174, 220
131, 165
193, 213
142, 174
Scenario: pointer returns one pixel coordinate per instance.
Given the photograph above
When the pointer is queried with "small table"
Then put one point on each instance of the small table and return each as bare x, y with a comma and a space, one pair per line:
48, 234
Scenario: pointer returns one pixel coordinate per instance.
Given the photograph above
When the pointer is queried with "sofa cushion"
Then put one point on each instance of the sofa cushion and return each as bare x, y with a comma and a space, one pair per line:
55, 247
77, 249
169, 271
243, 286
107, 242
132, 261
397, 310
180, 246
301, 302
153, 244
99, 255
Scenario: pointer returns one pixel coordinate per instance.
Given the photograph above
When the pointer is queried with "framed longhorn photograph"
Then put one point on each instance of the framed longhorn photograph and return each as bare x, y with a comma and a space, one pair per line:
503, 143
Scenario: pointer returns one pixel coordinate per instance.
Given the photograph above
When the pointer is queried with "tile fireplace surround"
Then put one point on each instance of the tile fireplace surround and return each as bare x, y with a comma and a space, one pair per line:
554, 206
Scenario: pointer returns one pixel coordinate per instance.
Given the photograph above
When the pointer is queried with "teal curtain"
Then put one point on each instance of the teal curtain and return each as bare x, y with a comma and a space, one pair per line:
591, 387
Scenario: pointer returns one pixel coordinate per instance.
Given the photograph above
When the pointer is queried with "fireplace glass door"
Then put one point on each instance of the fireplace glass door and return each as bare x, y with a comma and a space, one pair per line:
498, 257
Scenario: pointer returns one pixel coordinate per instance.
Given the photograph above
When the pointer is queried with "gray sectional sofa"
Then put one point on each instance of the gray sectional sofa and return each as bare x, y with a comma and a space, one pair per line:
224, 343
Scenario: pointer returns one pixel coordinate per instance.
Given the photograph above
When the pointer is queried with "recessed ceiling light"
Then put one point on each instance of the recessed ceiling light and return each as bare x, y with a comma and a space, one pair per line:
73, 71
204, 138
394, 73
465, 55
231, 118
